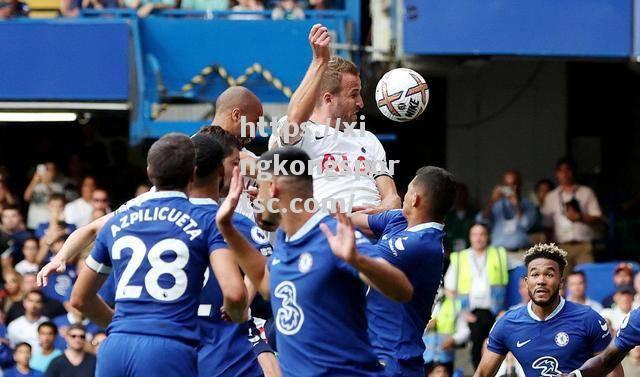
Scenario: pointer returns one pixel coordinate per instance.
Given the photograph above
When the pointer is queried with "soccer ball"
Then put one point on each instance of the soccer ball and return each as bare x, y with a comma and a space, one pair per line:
402, 94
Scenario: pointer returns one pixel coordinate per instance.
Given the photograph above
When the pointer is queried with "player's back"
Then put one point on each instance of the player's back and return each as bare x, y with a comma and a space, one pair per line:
319, 306
159, 252
396, 329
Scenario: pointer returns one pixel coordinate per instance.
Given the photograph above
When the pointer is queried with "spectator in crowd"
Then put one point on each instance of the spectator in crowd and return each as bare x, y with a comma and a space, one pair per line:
45, 182
576, 291
6, 198
70, 8
75, 361
51, 308
145, 7
204, 5
636, 287
572, 209
56, 226
40, 360
142, 188
510, 216
623, 300
11, 292
541, 189
93, 4
79, 211
478, 276
25, 328
6, 353
524, 295
459, 221
100, 200
29, 264
97, 340
13, 229
631, 363
247, 6
319, 4
437, 370
61, 283
447, 330
287, 10
622, 277
13, 9
72, 317
22, 356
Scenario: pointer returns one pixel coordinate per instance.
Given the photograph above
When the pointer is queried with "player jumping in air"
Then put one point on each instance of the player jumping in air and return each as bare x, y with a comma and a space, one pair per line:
550, 335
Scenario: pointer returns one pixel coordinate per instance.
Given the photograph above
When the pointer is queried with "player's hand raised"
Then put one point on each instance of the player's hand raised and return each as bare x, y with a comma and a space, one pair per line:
55, 266
320, 39
343, 243
225, 212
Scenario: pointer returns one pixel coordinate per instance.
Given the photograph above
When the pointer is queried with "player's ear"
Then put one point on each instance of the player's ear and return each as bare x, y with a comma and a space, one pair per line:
149, 173
327, 97
236, 115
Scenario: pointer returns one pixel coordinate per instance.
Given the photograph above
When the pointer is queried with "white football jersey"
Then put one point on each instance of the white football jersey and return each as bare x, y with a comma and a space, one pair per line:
244, 204
327, 147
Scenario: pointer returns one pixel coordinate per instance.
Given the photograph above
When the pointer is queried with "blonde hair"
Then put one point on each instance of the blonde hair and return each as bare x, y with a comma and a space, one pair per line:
547, 251
332, 78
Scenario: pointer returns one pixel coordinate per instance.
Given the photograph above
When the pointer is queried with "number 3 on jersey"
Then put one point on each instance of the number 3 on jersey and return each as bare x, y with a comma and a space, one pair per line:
175, 268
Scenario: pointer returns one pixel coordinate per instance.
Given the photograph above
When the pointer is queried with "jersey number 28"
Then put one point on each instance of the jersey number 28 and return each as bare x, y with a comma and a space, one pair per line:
159, 267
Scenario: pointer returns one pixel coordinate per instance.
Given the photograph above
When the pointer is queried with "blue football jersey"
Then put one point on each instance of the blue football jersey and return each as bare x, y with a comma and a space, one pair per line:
158, 250
318, 303
396, 329
571, 335
629, 333
226, 344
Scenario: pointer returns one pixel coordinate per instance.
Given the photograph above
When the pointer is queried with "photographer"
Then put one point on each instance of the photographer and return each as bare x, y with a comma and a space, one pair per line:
510, 216
45, 182
571, 210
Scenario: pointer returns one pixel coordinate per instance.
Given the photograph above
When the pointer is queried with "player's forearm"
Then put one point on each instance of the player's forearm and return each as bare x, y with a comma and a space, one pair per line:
603, 363
81, 239
94, 308
361, 221
384, 277
236, 309
269, 365
390, 201
304, 99
251, 261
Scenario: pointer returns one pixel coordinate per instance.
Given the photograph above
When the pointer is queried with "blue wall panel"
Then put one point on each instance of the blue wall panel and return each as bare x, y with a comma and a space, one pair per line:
59, 60
588, 28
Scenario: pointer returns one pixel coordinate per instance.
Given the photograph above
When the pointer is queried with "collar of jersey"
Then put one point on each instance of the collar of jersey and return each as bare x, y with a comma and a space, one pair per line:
423, 226
160, 195
310, 224
202, 201
553, 313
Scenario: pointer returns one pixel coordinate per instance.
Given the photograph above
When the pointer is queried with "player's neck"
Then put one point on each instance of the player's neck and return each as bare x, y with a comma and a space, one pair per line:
417, 220
217, 121
322, 117
544, 311
292, 222
208, 191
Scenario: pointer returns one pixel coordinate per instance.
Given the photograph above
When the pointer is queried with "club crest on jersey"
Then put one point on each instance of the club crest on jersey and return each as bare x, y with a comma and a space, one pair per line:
305, 262
547, 365
562, 339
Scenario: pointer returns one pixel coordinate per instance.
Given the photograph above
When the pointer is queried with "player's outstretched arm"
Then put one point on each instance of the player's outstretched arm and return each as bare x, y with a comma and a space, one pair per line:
252, 262
84, 297
607, 361
376, 272
304, 98
77, 242
361, 221
489, 364
229, 278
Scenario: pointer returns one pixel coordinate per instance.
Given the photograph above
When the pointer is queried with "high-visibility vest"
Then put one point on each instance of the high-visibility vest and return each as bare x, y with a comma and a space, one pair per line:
447, 316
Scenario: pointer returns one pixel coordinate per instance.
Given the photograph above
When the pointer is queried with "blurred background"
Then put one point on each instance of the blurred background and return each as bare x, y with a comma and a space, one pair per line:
524, 97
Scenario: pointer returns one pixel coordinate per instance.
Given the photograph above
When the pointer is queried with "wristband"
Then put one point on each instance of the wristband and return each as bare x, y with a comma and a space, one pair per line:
577, 373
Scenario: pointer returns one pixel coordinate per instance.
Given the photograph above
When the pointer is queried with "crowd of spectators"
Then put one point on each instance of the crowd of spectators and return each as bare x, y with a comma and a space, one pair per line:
243, 9
40, 332
484, 245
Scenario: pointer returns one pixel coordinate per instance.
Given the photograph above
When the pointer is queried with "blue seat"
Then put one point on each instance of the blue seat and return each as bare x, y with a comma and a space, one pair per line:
513, 288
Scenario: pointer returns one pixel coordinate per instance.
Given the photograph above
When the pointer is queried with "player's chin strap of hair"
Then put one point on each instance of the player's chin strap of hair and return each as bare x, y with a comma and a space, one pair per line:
577, 373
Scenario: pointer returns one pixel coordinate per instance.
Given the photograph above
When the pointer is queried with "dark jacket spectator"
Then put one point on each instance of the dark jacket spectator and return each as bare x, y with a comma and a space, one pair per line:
75, 361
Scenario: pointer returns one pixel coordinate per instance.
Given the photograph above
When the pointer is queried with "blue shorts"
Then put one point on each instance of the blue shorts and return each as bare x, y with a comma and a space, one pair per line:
131, 355
212, 364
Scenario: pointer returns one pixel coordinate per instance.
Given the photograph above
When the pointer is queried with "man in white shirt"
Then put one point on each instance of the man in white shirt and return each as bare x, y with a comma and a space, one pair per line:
328, 99
571, 210
79, 212
25, 328
576, 288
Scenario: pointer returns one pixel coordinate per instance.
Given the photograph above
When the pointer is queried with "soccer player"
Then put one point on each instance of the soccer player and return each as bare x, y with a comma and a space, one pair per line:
316, 285
159, 251
410, 239
329, 94
549, 335
628, 338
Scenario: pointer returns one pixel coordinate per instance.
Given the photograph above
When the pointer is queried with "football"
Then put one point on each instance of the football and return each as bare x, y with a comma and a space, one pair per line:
402, 94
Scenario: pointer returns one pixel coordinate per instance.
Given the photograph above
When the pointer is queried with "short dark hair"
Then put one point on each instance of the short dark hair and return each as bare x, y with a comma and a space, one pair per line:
30, 238
288, 156
567, 161
227, 140
57, 196
546, 251
578, 273
544, 181
171, 160
77, 326
10, 207
439, 186
22, 344
35, 291
50, 325
209, 155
